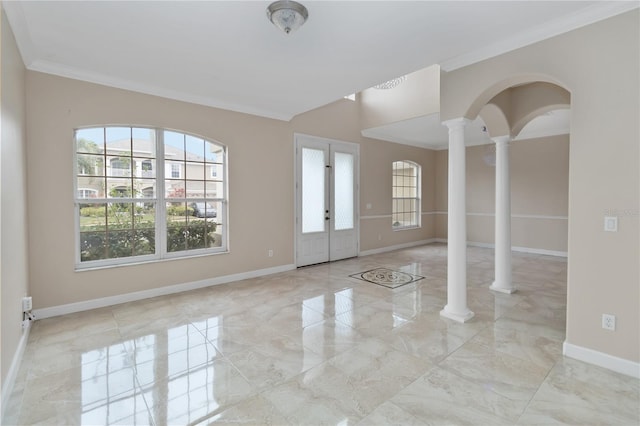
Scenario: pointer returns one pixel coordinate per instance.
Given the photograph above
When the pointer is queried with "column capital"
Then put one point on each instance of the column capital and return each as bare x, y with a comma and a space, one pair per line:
456, 122
501, 139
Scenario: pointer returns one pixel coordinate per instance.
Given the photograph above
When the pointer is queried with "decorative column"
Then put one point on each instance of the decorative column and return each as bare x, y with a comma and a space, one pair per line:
456, 308
503, 281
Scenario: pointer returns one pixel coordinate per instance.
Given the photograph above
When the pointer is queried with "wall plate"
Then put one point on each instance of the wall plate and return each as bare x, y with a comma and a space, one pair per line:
611, 223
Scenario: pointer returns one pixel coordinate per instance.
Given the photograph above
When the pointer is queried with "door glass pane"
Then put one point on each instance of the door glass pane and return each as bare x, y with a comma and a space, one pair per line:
313, 181
343, 202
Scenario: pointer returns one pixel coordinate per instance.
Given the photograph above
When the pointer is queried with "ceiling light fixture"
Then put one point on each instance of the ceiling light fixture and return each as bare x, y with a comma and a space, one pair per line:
394, 82
287, 15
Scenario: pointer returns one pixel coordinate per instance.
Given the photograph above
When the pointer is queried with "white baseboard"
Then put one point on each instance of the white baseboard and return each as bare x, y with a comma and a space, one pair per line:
162, 291
518, 249
545, 252
397, 247
469, 243
601, 359
12, 374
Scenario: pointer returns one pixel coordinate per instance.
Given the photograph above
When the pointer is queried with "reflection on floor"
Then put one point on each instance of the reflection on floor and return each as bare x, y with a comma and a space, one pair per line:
313, 346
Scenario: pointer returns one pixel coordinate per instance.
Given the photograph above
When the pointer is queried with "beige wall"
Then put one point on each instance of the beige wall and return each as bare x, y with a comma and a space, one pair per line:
539, 193
260, 184
417, 96
599, 65
376, 158
14, 278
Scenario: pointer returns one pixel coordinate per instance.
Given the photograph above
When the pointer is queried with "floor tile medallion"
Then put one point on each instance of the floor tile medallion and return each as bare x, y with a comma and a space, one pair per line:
387, 277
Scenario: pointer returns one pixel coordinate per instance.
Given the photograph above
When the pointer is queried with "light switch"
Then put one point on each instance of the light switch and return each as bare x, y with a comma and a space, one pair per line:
611, 223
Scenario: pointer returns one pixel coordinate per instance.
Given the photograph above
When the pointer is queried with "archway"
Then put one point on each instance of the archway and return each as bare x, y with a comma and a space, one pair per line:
506, 107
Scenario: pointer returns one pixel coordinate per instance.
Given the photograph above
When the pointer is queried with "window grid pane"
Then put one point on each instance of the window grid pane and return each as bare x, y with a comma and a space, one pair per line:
405, 195
193, 221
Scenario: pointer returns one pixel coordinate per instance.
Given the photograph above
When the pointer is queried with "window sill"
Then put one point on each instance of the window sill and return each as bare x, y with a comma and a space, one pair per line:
80, 268
405, 228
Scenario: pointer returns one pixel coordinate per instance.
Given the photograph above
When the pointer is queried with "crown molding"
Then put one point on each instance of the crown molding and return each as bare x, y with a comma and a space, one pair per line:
15, 13
16, 17
597, 12
118, 83
18, 24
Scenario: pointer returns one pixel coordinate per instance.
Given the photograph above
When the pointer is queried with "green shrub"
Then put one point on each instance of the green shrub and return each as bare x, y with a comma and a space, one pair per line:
179, 210
95, 245
197, 235
122, 241
92, 211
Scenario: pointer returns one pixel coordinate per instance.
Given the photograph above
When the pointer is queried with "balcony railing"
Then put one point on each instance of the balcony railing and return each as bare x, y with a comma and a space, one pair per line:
119, 172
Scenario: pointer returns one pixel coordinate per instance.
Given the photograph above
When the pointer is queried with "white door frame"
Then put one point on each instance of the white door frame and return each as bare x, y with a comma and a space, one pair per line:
298, 139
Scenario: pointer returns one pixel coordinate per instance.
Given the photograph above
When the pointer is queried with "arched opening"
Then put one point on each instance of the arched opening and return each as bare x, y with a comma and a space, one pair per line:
511, 82
534, 115
517, 200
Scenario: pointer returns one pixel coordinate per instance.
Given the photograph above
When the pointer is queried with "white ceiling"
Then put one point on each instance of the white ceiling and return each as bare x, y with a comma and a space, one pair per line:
227, 54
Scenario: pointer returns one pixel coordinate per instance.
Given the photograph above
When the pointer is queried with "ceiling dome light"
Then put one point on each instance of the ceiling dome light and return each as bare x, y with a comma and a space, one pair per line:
287, 15
394, 82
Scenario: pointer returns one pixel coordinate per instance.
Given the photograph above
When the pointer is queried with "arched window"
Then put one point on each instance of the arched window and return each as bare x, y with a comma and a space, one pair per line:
136, 213
405, 211
87, 192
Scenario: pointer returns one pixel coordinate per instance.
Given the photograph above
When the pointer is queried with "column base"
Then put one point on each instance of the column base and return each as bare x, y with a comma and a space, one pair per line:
464, 317
494, 287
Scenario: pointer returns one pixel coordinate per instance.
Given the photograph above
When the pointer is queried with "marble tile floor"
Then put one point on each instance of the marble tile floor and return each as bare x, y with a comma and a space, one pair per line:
313, 346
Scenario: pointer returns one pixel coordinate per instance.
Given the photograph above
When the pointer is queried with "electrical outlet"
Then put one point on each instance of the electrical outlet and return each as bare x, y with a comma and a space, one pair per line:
270, 253
609, 322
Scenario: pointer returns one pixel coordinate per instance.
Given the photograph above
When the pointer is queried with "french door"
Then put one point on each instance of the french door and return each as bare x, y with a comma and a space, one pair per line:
327, 226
